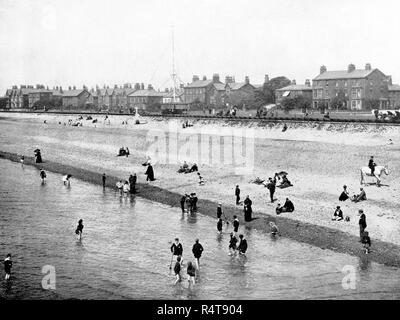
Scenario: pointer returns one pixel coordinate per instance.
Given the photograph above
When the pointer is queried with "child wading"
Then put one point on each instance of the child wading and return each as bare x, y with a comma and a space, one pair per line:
219, 225
42, 175
177, 270
242, 245
235, 224
177, 249
79, 229
7, 266
232, 244
197, 251
191, 272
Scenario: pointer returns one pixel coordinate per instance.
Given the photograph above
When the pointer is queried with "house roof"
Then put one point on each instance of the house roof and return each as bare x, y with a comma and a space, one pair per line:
344, 74
394, 87
170, 94
219, 86
146, 93
238, 85
200, 83
296, 87
73, 93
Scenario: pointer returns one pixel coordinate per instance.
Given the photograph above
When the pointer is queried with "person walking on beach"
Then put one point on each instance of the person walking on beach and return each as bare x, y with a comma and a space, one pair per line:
66, 179
177, 270
219, 225
79, 229
191, 272
274, 228
38, 156
235, 224
177, 249
150, 173
197, 250
232, 244
271, 187
7, 266
237, 194
42, 175
22, 160
242, 248
372, 165
103, 178
362, 222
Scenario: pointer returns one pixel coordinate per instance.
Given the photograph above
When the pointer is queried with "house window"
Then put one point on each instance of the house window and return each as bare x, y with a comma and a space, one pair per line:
337, 84
345, 83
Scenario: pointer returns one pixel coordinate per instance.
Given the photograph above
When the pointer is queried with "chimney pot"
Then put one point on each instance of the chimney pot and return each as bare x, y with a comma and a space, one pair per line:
351, 67
294, 81
215, 77
368, 66
195, 78
322, 69
246, 79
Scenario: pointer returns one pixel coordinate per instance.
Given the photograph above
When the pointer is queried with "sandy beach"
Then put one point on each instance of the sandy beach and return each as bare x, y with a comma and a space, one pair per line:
319, 158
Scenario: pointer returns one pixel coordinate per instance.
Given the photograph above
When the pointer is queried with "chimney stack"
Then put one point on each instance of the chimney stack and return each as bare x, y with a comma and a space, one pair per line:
215, 77
246, 79
389, 80
195, 78
322, 69
266, 79
294, 81
308, 83
228, 79
69, 88
74, 87
351, 68
204, 78
368, 66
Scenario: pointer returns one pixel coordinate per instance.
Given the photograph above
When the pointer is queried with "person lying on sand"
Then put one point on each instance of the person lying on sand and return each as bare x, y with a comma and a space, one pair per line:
359, 197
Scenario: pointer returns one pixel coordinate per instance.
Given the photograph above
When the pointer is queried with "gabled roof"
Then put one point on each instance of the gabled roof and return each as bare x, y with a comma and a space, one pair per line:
238, 85
146, 93
199, 84
73, 93
219, 86
296, 87
344, 74
394, 87
170, 94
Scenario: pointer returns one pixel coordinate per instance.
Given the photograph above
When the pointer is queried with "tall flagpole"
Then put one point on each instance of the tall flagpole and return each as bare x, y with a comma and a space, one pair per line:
173, 65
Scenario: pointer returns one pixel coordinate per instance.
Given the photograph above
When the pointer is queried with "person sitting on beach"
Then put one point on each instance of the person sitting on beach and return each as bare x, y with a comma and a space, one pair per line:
194, 168
285, 183
201, 179
121, 152
359, 197
287, 207
344, 195
66, 179
338, 214
184, 168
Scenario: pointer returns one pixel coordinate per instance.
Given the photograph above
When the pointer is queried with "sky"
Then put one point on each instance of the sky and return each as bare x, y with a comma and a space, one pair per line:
89, 42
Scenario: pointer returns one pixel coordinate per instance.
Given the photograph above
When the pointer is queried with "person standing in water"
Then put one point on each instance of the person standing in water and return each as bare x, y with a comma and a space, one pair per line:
119, 186
22, 160
42, 175
183, 201
177, 270
103, 178
177, 249
235, 224
79, 229
66, 179
7, 266
197, 250
191, 272
242, 248
219, 225
232, 244
132, 183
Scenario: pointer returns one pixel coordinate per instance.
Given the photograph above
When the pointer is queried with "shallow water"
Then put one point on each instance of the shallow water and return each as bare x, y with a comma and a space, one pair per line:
124, 253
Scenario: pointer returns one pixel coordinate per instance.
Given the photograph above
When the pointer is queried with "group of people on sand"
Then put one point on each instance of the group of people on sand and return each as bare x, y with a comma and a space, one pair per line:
184, 168
123, 152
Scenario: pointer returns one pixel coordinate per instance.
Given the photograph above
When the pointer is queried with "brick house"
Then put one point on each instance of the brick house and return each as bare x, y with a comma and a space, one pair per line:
18, 98
294, 90
144, 99
39, 95
203, 91
76, 99
357, 85
394, 96
235, 93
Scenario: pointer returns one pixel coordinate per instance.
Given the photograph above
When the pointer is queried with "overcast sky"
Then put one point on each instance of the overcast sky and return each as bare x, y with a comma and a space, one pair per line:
76, 42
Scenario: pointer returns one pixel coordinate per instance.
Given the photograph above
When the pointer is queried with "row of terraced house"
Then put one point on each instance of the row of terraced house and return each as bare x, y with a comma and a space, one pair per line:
355, 87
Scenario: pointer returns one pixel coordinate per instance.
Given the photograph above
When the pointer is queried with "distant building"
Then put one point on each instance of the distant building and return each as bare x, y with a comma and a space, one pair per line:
144, 99
78, 99
394, 96
293, 90
235, 93
203, 91
39, 95
357, 85
18, 98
